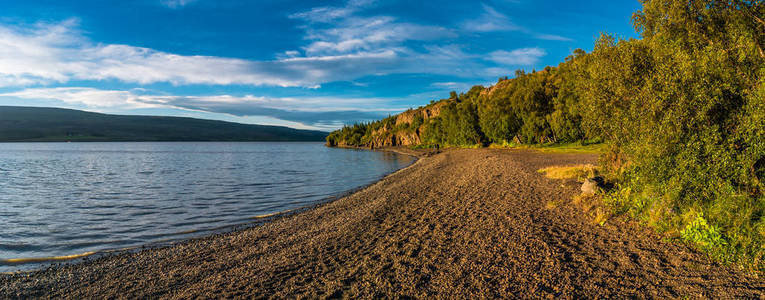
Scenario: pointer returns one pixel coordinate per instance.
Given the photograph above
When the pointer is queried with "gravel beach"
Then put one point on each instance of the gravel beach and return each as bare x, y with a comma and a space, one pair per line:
466, 223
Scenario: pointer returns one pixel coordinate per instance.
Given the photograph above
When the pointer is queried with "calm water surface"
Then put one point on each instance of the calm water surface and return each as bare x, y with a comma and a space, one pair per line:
60, 199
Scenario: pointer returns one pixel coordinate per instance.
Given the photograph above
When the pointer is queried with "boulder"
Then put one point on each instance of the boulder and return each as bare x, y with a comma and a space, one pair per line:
590, 186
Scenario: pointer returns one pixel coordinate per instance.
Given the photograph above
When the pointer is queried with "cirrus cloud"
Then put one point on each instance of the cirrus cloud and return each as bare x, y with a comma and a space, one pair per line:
58, 53
316, 112
176, 3
523, 56
490, 20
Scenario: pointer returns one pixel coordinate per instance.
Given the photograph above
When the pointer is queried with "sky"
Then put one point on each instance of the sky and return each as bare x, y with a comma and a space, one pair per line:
302, 64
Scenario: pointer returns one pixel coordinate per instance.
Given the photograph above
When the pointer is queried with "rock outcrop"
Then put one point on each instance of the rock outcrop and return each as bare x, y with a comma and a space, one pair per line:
403, 133
404, 129
427, 112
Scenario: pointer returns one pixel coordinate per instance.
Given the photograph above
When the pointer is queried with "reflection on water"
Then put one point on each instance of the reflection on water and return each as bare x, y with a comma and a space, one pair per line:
60, 199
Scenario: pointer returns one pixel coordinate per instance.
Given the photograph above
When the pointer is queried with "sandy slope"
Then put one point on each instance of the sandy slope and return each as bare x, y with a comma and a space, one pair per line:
463, 223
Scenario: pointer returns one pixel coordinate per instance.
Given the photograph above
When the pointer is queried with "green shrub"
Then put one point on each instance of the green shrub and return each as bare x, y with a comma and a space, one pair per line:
702, 234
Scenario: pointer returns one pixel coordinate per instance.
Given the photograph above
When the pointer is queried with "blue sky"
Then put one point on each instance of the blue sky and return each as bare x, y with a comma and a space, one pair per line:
303, 64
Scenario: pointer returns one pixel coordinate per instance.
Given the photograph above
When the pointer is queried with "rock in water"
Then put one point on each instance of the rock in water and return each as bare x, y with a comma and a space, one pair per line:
590, 186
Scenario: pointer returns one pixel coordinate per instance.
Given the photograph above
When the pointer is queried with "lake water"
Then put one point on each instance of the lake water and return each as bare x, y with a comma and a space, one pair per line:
60, 199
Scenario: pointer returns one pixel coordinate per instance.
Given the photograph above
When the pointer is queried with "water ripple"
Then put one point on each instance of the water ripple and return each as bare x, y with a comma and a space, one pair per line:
61, 199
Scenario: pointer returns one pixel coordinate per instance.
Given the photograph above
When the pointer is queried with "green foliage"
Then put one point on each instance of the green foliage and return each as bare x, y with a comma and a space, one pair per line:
353, 135
532, 108
417, 121
682, 109
701, 233
685, 106
459, 125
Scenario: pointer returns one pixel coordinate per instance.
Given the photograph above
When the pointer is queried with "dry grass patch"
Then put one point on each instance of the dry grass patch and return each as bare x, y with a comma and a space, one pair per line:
578, 172
586, 201
592, 206
600, 216
555, 148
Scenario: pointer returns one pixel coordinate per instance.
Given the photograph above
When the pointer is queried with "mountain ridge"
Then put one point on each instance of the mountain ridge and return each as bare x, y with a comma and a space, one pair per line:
50, 124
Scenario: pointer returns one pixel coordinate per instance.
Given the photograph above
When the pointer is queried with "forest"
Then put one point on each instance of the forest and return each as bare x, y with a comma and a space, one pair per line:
681, 110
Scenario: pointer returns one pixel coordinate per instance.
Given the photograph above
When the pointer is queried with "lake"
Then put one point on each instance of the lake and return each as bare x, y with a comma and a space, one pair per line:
61, 199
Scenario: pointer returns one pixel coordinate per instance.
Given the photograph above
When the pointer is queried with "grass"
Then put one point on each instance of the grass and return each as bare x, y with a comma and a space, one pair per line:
730, 230
578, 172
592, 205
600, 216
577, 147
426, 146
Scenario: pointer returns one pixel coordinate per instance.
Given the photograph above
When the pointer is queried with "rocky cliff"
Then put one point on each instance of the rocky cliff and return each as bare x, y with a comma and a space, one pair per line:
404, 129
408, 127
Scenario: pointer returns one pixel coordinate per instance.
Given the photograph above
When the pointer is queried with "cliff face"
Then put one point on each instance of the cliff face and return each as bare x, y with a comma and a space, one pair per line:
407, 129
401, 138
427, 112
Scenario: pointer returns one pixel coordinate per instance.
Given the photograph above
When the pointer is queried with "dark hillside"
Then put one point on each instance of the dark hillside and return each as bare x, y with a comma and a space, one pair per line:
19, 124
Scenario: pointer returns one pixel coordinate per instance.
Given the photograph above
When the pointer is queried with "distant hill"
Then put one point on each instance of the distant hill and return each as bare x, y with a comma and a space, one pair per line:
36, 124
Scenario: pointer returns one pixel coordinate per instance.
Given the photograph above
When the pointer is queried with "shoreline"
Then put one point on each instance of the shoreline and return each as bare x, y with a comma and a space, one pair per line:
464, 222
395, 149
48, 262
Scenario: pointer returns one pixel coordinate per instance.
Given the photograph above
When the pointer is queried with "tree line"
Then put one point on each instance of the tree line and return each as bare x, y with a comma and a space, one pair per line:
682, 109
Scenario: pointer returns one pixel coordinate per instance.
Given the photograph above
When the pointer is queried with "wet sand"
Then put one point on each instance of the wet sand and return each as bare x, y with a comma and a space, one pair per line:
470, 223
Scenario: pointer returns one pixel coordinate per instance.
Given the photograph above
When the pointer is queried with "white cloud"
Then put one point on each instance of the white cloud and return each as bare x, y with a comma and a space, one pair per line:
327, 14
449, 84
353, 33
520, 57
323, 14
57, 53
349, 48
139, 98
176, 3
340, 30
553, 37
490, 20
448, 53
89, 97
452, 86
324, 112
